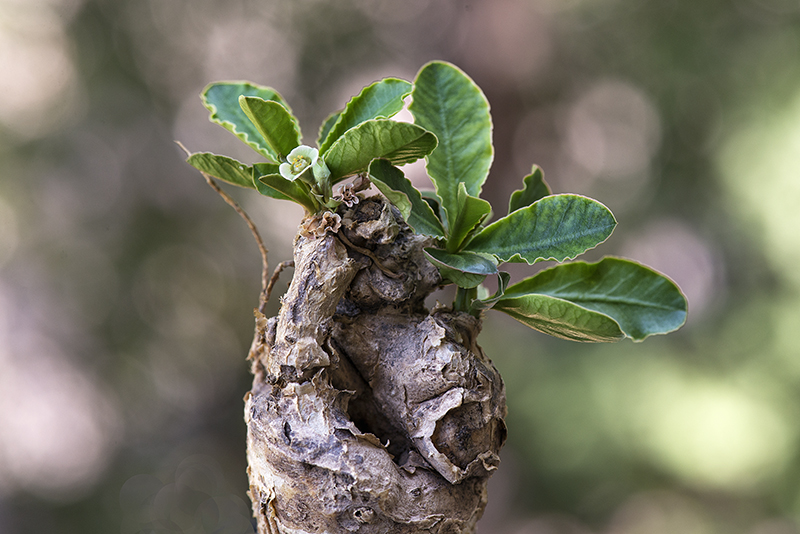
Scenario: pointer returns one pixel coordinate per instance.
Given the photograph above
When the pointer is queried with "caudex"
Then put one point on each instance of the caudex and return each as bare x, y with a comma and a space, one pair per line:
370, 412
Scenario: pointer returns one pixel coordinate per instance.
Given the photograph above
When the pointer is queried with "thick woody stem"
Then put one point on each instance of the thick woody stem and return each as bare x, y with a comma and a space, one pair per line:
368, 413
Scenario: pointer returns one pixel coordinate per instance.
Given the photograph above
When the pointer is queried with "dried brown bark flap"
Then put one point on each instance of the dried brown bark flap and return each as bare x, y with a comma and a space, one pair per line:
369, 413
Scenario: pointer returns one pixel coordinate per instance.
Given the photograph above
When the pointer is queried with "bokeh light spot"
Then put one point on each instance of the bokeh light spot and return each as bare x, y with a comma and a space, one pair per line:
38, 72
59, 428
759, 167
713, 435
673, 248
613, 130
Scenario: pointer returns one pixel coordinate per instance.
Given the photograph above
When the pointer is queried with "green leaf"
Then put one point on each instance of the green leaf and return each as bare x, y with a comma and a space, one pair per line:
326, 126
292, 190
222, 100
436, 205
399, 142
486, 303
640, 300
398, 198
556, 227
560, 318
466, 262
380, 100
264, 169
533, 188
448, 103
461, 279
398, 189
465, 269
224, 168
273, 121
470, 212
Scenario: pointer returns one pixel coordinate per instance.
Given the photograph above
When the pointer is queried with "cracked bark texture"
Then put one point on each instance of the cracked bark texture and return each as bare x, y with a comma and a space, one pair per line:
368, 412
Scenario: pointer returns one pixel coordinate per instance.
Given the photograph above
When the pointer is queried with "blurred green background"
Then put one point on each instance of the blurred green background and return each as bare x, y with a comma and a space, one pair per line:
127, 286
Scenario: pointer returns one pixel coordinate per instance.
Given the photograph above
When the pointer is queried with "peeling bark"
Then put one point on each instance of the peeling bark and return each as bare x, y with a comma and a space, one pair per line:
368, 412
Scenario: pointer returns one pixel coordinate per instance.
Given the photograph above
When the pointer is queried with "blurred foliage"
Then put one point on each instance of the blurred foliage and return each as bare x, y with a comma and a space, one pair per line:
127, 286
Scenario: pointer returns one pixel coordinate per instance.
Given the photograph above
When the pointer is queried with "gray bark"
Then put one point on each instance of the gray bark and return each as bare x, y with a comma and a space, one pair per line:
368, 412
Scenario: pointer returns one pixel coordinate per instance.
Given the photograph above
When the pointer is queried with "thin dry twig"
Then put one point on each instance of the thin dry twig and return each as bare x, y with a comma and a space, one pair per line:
275, 275
265, 283
368, 253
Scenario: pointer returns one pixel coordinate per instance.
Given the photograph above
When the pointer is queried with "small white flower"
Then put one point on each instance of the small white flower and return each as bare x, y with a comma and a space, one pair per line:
299, 160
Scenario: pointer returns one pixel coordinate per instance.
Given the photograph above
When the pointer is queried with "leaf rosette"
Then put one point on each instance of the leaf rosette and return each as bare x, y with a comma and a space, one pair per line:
452, 131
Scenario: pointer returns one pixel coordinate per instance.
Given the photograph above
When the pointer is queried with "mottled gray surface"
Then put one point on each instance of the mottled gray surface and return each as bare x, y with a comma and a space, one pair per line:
368, 412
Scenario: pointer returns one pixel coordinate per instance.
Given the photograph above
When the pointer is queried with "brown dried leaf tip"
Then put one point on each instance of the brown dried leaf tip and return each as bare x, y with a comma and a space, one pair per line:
319, 224
347, 195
